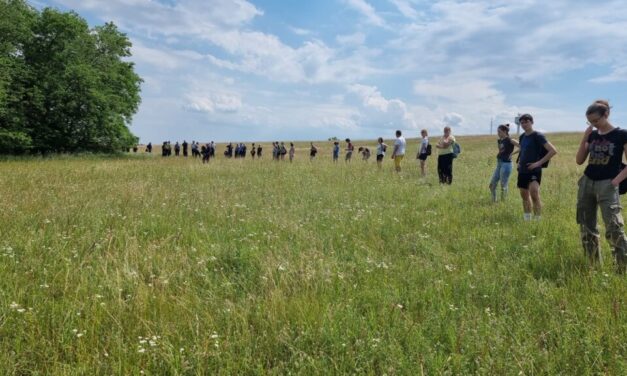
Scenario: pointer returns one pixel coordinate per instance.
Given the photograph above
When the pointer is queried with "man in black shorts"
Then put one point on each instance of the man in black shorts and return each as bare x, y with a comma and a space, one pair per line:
535, 152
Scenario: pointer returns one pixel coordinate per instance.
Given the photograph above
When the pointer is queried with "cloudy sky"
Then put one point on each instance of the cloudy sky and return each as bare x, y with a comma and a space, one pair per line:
237, 70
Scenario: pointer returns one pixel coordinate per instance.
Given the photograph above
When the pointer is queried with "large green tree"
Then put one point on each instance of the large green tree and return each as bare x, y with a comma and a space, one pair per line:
66, 87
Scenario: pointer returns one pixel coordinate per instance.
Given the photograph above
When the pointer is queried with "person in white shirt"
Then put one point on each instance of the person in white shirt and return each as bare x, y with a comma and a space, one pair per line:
399, 150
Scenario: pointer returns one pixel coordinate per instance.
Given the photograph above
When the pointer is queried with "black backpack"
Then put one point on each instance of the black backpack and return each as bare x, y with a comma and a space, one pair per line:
542, 149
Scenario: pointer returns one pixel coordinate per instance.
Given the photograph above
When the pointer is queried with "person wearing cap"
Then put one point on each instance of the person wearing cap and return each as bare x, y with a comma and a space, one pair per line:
603, 145
535, 151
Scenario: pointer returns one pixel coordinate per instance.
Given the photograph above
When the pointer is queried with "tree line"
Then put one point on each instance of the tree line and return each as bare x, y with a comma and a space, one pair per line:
64, 87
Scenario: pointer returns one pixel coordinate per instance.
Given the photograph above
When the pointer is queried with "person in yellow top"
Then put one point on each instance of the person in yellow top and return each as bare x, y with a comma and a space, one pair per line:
445, 156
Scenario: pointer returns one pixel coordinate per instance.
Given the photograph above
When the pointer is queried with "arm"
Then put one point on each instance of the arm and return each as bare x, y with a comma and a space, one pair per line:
516, 146
443, 144
582, 152
551, 151
395, 150
623, 174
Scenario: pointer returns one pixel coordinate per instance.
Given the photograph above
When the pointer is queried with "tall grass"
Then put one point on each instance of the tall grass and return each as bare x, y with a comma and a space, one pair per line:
167, 266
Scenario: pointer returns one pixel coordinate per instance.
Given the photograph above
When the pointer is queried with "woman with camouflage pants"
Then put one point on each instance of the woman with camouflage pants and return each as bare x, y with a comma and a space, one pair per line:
598, 187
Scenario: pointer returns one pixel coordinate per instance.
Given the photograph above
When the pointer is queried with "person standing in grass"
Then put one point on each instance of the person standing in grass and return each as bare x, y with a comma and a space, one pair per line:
253, 151
445, 156
424, 152
381, 148
336, 151
535, 152
282, 150
313, 150
292, 151
349, 150
503, 161
399, 150
599, 185
365, 153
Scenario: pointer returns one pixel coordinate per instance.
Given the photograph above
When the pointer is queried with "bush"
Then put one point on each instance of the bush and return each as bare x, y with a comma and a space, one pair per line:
13, 142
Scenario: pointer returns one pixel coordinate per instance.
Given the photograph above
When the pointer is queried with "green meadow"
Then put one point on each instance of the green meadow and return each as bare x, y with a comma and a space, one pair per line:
139, 264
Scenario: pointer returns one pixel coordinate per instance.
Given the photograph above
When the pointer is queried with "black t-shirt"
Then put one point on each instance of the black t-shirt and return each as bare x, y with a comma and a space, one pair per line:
530, 151
606, 154
506, 148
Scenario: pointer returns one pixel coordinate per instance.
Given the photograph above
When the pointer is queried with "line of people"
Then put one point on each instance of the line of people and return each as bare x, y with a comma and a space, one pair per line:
604, 178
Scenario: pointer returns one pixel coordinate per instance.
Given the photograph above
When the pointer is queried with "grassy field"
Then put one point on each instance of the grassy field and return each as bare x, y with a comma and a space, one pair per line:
140, 264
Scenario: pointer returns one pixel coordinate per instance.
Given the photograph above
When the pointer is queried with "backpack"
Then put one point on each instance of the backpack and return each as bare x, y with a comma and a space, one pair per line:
622, 187
543, 150
457, 149
428, 151
384, 147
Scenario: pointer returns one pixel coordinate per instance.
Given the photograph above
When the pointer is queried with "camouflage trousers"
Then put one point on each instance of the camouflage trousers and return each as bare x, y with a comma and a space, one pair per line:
591, 196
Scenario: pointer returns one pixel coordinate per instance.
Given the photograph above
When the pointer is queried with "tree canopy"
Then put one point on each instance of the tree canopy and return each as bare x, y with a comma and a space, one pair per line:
64, 87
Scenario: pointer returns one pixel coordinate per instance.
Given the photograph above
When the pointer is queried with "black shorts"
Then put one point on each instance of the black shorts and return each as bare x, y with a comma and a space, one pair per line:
380, 157
524, 179
423, 156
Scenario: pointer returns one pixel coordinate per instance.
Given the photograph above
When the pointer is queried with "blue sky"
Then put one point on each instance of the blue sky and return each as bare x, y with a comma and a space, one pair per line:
238, 70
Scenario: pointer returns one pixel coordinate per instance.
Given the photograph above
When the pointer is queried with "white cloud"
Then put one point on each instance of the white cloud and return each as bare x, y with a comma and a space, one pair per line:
214, 102
299, 31
377, 111
501, 39
442, 62
367, 11
162, 58
355, 39
404, 6
458, 89
453, 119
618, 74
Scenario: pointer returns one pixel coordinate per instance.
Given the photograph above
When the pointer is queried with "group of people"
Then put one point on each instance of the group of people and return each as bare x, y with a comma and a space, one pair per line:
602, 144
604, 179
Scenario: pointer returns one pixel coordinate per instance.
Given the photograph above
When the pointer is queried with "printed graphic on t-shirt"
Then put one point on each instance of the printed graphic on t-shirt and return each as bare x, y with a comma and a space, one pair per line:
601, 151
